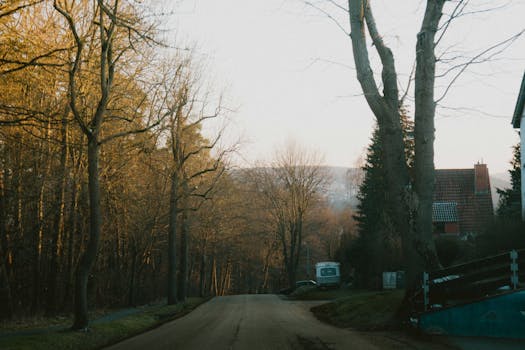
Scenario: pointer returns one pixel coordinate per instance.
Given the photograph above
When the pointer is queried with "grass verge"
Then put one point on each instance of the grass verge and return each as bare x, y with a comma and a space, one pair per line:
314, 293
100, 334
361, 310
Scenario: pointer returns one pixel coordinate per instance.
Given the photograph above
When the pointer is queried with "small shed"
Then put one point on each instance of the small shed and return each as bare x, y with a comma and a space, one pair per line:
518, 122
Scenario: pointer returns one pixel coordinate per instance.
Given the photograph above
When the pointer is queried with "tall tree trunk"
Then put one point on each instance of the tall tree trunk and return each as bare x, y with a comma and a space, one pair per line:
95, 222
266, 269
424, 134
172, 241
184, 250
202, 275
213, 283
45, 162
6, 300
299, 234
72, 232
131, 287
58, 222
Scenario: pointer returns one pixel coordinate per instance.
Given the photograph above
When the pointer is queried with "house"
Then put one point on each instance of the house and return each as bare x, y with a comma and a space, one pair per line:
462, 201
518, 122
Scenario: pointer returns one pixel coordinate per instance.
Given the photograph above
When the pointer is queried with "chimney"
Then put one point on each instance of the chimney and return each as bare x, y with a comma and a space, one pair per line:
481, 179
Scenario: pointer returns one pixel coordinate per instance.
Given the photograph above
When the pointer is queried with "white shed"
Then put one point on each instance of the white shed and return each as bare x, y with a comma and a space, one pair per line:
518, 122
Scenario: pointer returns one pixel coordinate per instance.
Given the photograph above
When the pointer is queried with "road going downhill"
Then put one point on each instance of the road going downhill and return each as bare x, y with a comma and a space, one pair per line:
248, 322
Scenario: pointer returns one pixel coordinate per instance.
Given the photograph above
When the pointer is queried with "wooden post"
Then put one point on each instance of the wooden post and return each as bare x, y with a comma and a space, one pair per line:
426, 290
514, 269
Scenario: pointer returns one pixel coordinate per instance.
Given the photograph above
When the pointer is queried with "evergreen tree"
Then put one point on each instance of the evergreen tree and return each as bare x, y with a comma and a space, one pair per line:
506, 232
509, 206
378, 246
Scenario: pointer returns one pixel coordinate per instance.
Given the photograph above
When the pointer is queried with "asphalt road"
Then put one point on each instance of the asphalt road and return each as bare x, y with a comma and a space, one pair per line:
248, 322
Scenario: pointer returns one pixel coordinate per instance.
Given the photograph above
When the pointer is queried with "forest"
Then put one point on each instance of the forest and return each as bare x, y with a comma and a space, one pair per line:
119, 187
116, 184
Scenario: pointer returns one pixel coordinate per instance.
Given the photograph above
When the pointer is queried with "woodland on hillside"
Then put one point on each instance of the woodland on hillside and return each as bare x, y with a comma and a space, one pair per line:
112, 193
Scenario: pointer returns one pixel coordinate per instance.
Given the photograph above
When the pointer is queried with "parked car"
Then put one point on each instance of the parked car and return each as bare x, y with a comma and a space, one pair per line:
298, 284
305, 283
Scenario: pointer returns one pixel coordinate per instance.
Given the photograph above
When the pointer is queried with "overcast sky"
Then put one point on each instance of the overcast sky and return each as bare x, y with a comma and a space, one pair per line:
287, 70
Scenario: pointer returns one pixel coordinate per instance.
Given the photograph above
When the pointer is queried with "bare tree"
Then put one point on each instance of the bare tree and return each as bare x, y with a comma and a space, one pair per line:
412, 207
418, 244
287, 189
193, 170
103, 27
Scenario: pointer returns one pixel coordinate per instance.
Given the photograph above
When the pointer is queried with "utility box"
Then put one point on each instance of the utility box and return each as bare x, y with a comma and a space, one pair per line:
393, 279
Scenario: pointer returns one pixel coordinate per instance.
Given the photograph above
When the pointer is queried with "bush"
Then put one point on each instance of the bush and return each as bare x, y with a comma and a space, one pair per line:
453, 250
501, 236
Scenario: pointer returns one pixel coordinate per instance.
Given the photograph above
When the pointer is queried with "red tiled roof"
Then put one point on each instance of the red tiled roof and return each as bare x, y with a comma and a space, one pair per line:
474, 210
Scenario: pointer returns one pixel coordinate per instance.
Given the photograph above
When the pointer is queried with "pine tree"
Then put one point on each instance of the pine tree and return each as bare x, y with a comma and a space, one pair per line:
378, 246
506, 232
509, 206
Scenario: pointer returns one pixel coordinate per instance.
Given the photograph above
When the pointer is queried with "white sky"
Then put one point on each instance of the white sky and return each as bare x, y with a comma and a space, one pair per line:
287, 71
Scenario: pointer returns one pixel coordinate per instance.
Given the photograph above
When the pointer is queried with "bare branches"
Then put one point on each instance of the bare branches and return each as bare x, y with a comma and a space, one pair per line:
362, 62
328, 15
8, 9
75, 67
130, 23
458, 10
33, 62
482, 57
389, 74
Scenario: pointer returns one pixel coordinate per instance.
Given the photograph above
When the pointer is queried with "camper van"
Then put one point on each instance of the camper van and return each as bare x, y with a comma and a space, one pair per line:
327, 274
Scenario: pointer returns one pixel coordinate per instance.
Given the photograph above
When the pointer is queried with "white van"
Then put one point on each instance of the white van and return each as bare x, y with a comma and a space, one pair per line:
327, 274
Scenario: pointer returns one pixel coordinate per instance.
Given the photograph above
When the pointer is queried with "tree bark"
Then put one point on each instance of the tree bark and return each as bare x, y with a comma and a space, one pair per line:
95, 222
183, 266
72, 231
424, 134
58, 222
6, 300
203, 268
172, 239
133, 273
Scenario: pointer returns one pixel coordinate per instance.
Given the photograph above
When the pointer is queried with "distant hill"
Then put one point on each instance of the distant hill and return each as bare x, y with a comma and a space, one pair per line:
345, 185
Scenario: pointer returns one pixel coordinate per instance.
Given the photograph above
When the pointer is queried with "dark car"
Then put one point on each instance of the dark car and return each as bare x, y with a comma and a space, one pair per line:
305, 283
298, 284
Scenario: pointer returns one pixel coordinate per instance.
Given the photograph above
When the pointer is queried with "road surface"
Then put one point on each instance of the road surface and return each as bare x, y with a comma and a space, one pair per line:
250, 322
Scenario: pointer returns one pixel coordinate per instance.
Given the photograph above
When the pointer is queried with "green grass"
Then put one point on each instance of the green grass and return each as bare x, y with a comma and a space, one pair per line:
101, 334
361, 310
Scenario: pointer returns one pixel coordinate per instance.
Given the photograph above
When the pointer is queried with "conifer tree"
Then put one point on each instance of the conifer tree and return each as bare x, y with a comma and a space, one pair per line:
378, 246
509, 206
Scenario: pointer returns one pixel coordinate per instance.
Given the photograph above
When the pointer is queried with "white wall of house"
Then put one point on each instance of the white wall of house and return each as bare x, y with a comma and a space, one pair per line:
522, 132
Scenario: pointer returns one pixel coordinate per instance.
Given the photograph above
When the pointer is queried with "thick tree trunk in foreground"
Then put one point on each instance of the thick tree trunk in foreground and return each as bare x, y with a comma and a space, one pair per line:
418, 248
424, 134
